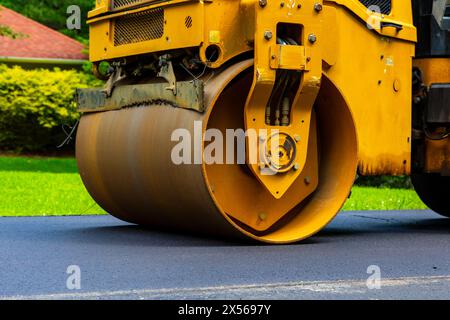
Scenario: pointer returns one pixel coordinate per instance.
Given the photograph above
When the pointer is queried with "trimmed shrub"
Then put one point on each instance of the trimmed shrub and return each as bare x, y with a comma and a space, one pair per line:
35, 104
402, 182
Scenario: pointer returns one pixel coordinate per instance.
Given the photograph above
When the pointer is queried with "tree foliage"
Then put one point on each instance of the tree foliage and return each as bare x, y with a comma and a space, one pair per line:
53, 13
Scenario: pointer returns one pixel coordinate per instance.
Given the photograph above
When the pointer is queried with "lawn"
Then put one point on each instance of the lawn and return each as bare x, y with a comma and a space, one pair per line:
41, 186
38, 187
368, 198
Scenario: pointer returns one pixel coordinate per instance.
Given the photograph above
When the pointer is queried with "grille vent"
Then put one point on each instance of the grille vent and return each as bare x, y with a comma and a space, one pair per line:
139, 27
384, 5
118, 4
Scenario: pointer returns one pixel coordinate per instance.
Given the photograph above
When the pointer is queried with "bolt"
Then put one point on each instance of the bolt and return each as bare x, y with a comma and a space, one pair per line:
297, 138
262, 216
296, 167
274, 57
307, 180
299, 6
312, 38
308, 59
282, 4
268, 35
318, 7
262, 3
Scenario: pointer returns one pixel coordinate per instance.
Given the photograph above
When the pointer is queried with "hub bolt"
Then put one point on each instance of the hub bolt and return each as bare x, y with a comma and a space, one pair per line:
312, 38
318, 7
268, 35
262, 3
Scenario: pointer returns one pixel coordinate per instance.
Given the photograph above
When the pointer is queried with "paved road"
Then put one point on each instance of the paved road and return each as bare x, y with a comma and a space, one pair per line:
117, 260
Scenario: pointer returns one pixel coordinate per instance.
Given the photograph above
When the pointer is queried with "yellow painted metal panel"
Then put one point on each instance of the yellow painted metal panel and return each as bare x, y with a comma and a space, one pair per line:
176, 34
434, 70
401, 14
288, 57
367, 67
437, 152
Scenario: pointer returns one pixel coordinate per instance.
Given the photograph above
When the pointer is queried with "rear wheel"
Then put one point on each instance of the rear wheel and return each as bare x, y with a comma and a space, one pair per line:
434, 191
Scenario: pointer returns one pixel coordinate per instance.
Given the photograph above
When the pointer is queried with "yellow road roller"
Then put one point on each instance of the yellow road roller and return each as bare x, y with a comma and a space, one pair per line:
252, 118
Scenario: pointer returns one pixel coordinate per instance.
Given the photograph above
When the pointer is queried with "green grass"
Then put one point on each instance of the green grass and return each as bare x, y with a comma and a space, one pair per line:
40, 186
369, 198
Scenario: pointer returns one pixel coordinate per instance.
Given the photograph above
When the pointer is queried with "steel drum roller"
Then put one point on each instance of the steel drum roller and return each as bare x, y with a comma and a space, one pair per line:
124, 157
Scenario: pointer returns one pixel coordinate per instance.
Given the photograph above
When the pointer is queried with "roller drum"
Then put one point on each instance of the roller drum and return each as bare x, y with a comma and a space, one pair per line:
125, 161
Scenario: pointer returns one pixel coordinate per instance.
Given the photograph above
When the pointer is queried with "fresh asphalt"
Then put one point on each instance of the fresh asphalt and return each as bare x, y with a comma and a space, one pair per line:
116, 260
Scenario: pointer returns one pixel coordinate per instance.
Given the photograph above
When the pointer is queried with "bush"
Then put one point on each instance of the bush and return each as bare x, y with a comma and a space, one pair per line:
402, 182
34, 104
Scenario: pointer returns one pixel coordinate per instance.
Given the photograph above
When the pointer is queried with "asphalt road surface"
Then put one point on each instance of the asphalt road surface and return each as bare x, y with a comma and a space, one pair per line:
409, 250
